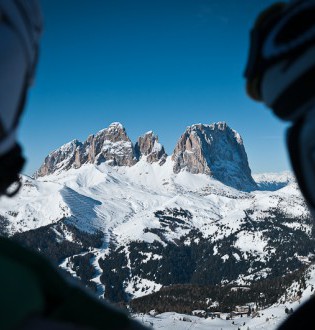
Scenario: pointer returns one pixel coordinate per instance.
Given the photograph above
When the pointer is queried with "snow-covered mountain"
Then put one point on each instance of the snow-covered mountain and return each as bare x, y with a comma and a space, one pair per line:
215, 150
111, 145
129, 218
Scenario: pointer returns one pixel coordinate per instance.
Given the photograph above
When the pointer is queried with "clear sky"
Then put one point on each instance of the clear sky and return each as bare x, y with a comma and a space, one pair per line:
156, 65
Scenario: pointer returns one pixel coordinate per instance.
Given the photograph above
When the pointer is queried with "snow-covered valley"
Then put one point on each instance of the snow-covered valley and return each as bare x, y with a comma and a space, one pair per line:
130, 226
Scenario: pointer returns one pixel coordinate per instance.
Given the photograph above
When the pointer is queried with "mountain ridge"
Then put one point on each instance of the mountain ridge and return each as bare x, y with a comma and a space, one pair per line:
215, 150
129, 231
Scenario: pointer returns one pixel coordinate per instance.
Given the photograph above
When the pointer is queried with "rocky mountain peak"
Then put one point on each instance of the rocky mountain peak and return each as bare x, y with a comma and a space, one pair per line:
216, 150
148, 145
111, 145
114, 133
60, 158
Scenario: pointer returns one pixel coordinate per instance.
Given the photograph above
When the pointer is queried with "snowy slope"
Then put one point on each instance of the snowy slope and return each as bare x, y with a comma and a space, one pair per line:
273, 181
122, 202
269, 318
130, 222
150, 204
116, 198
37, 204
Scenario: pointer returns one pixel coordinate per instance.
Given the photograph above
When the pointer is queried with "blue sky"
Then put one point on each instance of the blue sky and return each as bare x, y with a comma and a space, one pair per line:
151, 65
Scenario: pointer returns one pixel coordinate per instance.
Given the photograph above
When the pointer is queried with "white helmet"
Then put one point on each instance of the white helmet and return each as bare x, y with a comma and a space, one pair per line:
20, 30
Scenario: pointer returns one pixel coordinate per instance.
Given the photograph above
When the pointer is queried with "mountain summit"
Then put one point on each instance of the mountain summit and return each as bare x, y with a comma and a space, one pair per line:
148, 145
216, 150
111, 145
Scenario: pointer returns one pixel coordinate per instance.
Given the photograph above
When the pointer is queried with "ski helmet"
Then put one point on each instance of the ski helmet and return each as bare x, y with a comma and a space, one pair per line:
20, 30
281, 73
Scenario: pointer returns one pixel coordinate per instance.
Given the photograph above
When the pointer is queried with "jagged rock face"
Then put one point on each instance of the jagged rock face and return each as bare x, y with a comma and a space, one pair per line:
216, 150
111, 145
63, 158
148, 145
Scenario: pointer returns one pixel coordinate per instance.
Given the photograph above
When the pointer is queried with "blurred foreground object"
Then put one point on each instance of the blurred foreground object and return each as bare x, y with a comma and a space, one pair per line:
281, 73
20, 31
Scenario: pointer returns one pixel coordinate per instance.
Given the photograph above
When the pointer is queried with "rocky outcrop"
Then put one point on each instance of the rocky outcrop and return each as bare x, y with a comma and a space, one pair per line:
62, 158
110, 145
216, 150
148, 145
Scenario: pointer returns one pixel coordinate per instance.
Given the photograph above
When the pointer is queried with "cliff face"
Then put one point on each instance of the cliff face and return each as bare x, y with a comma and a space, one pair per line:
111, 145
60, 159
216, 150
148, 145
